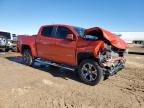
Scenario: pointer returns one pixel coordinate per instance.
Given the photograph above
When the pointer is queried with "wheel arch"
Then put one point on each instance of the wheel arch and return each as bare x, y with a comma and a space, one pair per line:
85, 55
24, 47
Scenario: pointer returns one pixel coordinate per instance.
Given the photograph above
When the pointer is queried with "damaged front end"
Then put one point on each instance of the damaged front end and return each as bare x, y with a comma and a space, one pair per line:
112, 54
112, 59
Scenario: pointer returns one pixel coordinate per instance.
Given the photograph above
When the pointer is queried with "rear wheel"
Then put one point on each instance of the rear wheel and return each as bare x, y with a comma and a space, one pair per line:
90, 72
27, 57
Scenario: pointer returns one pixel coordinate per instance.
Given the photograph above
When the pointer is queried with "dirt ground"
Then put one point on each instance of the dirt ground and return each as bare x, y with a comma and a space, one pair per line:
46, 87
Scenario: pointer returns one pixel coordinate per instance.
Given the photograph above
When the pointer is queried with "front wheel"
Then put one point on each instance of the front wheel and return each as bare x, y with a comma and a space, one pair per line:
90, 72
27, 57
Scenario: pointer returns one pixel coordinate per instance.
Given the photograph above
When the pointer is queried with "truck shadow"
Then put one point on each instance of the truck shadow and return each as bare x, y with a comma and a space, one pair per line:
55, 71
136, 53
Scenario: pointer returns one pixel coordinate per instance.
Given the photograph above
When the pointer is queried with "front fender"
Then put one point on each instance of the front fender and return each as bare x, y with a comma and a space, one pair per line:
97, 49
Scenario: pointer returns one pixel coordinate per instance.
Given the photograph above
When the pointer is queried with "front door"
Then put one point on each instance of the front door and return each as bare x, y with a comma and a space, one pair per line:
65, 50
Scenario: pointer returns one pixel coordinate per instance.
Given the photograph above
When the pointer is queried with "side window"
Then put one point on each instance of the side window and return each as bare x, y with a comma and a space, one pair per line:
47, 31
62, 32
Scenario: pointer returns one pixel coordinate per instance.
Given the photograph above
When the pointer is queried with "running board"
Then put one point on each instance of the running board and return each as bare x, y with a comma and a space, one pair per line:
54, 64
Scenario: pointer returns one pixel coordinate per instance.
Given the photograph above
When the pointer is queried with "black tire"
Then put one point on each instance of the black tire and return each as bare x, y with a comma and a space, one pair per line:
93, 74
4, 50
7, 50
14, 49
27, 57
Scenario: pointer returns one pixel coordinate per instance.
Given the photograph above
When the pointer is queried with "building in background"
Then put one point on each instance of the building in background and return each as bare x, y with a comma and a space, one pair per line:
132, 37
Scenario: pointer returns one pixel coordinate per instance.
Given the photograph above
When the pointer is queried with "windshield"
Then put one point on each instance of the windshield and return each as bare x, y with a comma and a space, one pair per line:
81, 31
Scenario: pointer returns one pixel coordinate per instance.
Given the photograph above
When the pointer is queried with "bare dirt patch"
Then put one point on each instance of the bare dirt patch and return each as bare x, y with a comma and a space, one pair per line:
45, 87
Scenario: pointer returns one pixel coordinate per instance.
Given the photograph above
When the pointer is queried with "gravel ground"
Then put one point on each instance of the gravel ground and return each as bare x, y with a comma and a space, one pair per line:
46, 87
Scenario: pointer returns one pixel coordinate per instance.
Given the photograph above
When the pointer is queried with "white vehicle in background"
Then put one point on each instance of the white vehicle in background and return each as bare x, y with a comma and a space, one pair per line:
8, 41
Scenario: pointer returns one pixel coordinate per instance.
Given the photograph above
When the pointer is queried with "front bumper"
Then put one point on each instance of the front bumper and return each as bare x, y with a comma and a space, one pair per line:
112, 61
113, 65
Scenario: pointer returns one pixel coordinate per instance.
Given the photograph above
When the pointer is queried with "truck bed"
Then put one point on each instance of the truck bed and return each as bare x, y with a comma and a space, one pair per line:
27, 40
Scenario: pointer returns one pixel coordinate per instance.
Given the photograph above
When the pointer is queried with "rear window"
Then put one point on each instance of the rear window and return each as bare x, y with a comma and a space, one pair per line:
47, 31
5, 34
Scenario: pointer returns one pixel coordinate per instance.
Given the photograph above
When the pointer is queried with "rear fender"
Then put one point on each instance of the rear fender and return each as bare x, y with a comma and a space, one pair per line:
28, 42
23, 47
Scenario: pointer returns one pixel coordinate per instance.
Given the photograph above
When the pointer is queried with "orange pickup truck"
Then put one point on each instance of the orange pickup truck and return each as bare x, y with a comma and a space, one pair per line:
94, 53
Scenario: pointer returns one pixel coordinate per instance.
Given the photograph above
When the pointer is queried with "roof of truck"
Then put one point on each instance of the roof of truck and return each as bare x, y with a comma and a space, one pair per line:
60, 25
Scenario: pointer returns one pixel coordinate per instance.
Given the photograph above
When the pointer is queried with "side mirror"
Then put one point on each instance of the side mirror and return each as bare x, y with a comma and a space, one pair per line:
70, 37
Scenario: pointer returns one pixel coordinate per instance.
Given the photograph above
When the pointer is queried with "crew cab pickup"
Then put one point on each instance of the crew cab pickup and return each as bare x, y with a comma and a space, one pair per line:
94, 53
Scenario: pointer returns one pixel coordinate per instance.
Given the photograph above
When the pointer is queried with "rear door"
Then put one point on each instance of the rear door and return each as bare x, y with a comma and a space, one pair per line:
46, 42
65, 50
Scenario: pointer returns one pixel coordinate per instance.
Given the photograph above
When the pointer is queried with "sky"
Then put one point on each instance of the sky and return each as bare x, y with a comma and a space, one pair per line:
26, 16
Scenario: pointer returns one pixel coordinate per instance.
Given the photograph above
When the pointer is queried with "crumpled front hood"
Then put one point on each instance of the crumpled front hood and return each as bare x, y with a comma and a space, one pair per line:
112, 38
